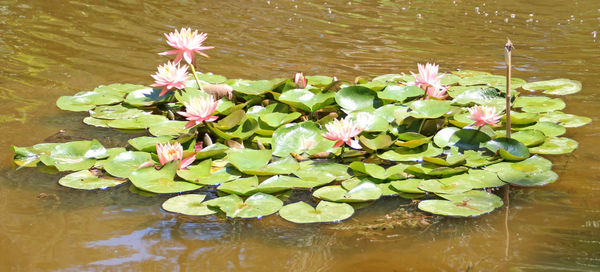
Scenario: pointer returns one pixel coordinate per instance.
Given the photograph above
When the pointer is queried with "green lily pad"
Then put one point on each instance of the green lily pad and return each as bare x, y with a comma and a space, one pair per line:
565, 119
378, 172
305, 137
146, 97
276, 119
400, 93
319, 80
161, 181
442, 137
469, 139
411, 154
355, 98
393, 78
243, 131
25, 156
472, 203
301, 212
529, 137
449, 79
279, 183
141, 122
257, 87
380, 141
307, 100
285, 165
118, 89
549, 129
559, 86
322, 172
257, 205
555, 146
96, 122
469, 73
476, 179
408, 186
369, 122
74, 156
203, 174
190, 204
148, 144
389, 111
476, 96
124, 163
539, 104
475, 159
86, 180
491, 80
449, 187
522, 118
429, 108
243, 186
366, 191
527, 178
115, 112
249, 159
84, 101
211, 78
168, 128
433, 170
211, 151
510, 149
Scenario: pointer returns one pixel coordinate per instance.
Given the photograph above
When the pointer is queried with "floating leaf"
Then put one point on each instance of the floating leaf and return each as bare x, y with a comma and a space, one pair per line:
84, 101
407, 186
242, 187
190, 204
556, 146
285, 165
510, 149
400, 93
366, 191
322, 172
522, 118
381, 141
257, 87
429, 108
148, 144
141, 122
539, 104
74, 156
25, 156
115, 112
146, 97
300, 138
411, 154
161, 181
548, 128
369, 122
279, 183
476, 179
469, 139
276, 119
124, 163
469, 73
529, 137
96, 122
307, 100
211, 151
449, 187
565, 119
442, 137
168, 128
527, 178
378, 172
86, 180
559, 86
472, 203
301, 212
355, 98
477, 96
491, 80
257, 205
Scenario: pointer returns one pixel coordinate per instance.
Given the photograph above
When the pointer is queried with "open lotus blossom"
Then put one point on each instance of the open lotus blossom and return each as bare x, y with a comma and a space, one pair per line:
436, 92
300, 80
343, 131
198, 110
169, 76
428, 76
173, 152
484, 115
186, 44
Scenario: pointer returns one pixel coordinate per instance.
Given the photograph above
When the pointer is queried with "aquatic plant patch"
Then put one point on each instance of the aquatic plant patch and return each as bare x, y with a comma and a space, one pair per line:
439, 139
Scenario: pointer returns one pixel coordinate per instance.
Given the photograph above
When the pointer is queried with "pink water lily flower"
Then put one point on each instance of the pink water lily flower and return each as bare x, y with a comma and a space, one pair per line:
484, 115
428, 76
436, 92
300, 80
186, 44
169, 76
343, 131
198, 110
173, 152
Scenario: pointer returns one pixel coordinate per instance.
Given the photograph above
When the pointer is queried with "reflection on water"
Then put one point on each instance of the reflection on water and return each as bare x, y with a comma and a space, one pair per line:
54, 48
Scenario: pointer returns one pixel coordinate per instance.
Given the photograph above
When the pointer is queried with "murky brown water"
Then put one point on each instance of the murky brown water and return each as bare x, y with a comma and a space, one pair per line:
54, 48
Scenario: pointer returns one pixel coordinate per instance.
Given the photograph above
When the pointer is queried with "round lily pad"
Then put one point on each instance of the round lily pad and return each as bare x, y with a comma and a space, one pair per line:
527, 178
148, 144
124, 163
190, 204
87, 180
448, 187
168, 128
529, 137
146, 97
491, 80
84, 101
301, 212
161, 181
307, 100
565, 119
407, 186
298, 138
366, 191
249, 159
255, 87
411, 154
279, 183
400, 93
510, 149
559, 86
140, 122
539, 104
356, 98
257, 205
96, 122
369, 122
469, 139
429, 108
242, 187
472, 203
549, 129
322, 172
74, 156
476, 95
115, 112
556, 146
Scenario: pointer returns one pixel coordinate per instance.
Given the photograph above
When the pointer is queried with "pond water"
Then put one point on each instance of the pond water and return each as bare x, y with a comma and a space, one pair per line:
54, 48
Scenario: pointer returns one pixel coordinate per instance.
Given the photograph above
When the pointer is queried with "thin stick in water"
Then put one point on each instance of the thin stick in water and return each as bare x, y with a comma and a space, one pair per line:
508, 47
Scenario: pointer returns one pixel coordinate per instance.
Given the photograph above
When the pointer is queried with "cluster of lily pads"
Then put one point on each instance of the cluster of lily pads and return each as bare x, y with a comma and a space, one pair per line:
269, 139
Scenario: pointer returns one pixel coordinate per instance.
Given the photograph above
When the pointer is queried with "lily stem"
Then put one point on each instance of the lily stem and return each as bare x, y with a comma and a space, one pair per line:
421, 125
196, 77
508, 47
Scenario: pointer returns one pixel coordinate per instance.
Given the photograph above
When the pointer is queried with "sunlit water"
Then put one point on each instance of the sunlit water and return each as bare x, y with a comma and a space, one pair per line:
54, 48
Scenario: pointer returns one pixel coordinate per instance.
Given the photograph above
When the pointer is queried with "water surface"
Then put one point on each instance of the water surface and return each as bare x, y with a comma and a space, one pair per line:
54, 48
